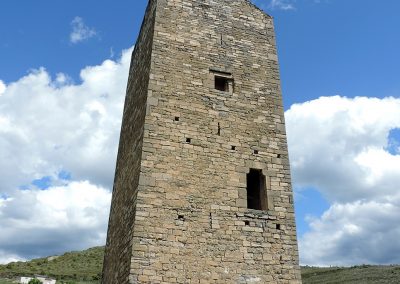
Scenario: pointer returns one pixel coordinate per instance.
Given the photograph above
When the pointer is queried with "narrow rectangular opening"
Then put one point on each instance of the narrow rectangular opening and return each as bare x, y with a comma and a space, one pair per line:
256, 190
221, 83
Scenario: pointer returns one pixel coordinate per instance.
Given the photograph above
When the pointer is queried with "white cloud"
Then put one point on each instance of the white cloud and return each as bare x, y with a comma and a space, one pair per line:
47, 126
80, 31
339, 146
6, 257
2, 87
361, 232
39, 223
52, 125
281, 4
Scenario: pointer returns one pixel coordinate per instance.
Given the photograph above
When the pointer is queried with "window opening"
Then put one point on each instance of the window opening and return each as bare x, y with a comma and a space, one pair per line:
255, 152
247, 223
222, 80
188, 140
233, 148
221, 84
219, 129
256, 190
278, 226
176, 118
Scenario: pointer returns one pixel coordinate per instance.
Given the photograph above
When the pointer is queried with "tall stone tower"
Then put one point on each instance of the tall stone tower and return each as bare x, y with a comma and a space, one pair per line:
202, 190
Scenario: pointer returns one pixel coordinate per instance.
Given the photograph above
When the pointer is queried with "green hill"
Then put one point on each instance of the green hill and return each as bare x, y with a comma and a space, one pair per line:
78, 266
364, 274
85, 267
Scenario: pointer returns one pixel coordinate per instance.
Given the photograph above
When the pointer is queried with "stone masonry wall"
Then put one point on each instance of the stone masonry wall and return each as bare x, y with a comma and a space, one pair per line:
192, 224
117, 260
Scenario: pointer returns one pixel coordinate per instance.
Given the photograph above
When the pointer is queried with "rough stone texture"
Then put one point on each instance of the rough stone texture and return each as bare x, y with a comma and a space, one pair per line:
179, 210
118, 254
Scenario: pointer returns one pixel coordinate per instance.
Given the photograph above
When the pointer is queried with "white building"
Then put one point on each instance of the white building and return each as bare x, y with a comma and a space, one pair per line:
43, 279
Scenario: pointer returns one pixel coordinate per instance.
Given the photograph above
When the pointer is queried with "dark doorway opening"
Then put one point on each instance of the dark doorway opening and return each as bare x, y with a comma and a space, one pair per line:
256, 190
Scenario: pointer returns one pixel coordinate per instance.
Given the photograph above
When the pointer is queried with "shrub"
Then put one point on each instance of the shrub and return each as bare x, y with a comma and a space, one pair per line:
35, 281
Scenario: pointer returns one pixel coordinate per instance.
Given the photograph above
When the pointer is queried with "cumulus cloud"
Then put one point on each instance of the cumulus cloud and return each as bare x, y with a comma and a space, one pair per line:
80, 31
67, 135
47, 126
340, 146
2, 87
39, 223
354, 233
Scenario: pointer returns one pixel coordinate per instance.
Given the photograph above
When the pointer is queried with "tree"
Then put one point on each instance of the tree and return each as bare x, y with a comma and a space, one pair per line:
35, 281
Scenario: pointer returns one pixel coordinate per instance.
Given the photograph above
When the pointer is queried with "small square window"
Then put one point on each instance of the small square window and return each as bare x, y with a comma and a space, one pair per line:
221, 83
176, 118
255, 152
188, 140
233, 148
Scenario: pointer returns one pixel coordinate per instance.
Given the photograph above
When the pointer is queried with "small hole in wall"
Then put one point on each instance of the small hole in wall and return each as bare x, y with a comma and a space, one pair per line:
176, 118
233, 148
188, 140
278, 226
247, 223
181, 217
219, 129
278, 156
255, 152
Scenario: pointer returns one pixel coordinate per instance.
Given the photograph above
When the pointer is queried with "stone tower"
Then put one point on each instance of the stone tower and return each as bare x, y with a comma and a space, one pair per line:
202, 190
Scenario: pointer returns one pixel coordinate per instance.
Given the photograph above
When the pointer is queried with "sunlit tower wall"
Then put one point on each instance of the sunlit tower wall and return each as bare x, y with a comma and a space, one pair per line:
202, 190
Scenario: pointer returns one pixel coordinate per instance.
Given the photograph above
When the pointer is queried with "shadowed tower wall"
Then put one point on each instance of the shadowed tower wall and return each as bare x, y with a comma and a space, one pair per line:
202, 190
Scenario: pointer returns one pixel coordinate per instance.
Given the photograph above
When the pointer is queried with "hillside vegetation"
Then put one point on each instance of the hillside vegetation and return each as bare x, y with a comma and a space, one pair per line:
78, 266
364, 274
85, 267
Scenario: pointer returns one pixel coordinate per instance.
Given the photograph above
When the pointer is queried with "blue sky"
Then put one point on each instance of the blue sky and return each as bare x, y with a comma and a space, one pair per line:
63, 71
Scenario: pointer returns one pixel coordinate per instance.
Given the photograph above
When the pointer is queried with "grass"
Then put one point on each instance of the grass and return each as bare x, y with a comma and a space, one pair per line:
6, 281
72, 266
365, 274
85, 268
